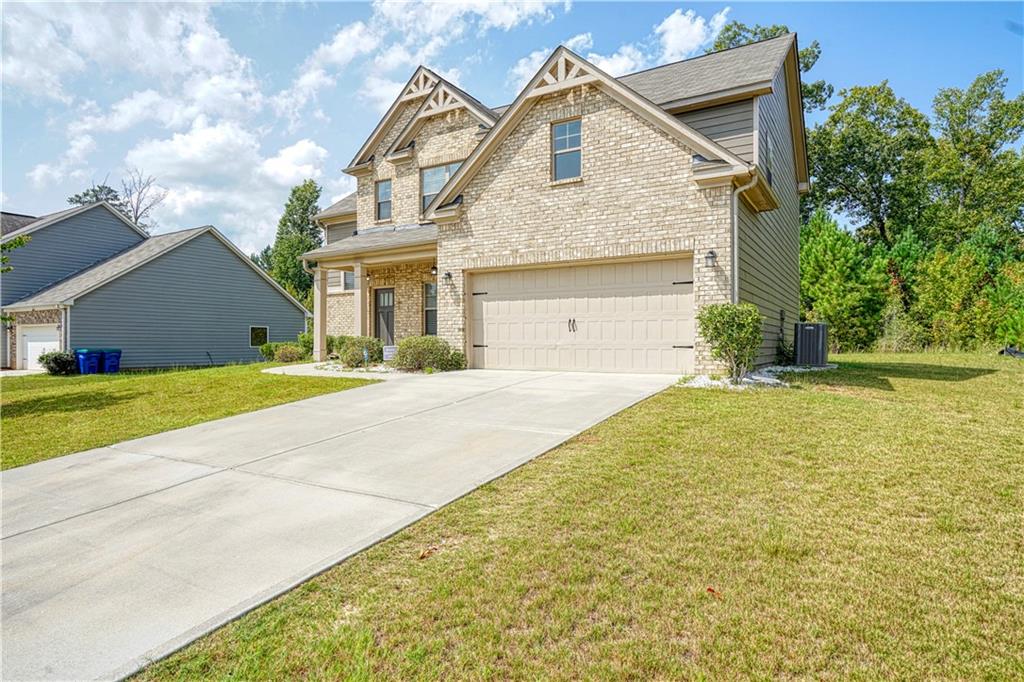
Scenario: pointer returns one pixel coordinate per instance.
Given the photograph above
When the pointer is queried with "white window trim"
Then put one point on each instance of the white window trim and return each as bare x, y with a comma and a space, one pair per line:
554, 154
377, 201
258, 326
425, 309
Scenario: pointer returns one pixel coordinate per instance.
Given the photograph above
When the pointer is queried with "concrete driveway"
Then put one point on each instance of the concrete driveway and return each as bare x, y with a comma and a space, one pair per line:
117, 556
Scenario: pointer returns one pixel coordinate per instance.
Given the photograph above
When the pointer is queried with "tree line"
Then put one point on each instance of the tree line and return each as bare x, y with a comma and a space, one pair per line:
935, 253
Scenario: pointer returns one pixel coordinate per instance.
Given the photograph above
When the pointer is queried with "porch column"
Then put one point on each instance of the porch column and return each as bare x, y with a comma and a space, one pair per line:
319, 314
358, 274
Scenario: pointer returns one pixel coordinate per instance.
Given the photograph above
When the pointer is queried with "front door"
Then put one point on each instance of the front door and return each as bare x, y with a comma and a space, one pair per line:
384, 317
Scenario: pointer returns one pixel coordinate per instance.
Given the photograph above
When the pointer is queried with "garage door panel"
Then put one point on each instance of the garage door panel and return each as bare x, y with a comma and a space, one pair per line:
628, 317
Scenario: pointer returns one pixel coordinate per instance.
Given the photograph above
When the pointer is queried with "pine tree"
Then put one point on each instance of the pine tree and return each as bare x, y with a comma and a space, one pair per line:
838, 286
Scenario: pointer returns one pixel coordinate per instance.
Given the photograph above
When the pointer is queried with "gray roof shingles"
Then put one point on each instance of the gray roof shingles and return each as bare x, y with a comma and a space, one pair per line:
343, 206
376, 239
710, 73
107, 270
9, 222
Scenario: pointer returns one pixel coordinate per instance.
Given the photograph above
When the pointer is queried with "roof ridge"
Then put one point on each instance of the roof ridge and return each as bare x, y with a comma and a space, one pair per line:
707, 54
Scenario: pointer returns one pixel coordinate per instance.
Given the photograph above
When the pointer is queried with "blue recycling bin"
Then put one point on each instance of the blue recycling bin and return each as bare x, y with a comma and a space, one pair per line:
88, 360
111, 361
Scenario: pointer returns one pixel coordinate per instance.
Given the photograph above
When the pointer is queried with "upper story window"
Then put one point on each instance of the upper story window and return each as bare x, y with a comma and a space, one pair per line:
567, 149
433, 179
769, 157
383, 198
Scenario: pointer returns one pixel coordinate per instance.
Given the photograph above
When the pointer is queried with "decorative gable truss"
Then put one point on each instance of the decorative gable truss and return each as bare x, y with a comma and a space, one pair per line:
420, 85
565, 70
443, 98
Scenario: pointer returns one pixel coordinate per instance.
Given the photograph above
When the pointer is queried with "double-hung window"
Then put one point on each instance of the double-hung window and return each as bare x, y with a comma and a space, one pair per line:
430, 308
383, 191
433, 179
567, 149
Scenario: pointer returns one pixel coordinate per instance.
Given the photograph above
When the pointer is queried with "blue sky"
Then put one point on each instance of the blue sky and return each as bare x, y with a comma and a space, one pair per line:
228, 105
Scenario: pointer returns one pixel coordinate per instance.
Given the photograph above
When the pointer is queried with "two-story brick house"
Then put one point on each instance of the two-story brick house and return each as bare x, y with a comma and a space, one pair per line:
583, 225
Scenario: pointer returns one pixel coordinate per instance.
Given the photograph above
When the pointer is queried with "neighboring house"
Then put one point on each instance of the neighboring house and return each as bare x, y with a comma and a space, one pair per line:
89, 278
582, 226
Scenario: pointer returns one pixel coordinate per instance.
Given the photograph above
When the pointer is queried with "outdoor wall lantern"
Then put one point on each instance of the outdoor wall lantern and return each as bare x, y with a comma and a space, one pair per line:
433, 269
710, 258
448, 276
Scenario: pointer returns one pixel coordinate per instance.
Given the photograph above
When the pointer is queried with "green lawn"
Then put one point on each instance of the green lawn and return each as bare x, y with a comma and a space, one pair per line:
43, 416
868, 523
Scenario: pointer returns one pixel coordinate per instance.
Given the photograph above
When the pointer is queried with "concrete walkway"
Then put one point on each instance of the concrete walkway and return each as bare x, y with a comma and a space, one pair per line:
118, 556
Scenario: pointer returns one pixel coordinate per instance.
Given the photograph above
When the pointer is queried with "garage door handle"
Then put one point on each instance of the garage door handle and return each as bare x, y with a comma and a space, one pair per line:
573, 324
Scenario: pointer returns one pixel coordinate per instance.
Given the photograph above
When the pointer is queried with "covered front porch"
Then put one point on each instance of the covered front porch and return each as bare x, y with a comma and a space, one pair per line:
393, 287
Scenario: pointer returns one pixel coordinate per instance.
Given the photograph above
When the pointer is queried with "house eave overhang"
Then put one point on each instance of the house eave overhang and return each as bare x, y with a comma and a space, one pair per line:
360, 169
424, 250
760, 197
795, 104
711, 99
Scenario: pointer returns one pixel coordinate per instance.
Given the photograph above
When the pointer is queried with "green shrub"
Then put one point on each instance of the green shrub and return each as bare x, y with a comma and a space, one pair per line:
457, 361
420, 352
59, 363
352, 354
733, 330
336, 343
305, 341
268, 350
288, 352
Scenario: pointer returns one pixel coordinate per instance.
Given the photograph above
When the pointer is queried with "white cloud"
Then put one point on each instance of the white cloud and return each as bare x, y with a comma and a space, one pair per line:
578, 43
380, 92
320, 68
224, 151
69, 165
682, 34
626, 59
295, 163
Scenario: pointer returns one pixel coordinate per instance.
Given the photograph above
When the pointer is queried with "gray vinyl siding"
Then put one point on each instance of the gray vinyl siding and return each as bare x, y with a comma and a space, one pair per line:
64, 248
769, 242
190, 306
730, 125
333, 233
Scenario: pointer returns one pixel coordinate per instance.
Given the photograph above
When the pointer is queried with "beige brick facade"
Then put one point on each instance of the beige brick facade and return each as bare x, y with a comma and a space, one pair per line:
30, 317
444, 138
636, 199
341, 314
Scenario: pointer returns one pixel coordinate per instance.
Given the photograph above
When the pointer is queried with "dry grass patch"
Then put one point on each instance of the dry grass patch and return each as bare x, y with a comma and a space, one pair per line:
865, 524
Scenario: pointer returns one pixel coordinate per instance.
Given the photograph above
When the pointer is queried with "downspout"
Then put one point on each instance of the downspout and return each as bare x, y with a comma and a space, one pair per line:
735, 251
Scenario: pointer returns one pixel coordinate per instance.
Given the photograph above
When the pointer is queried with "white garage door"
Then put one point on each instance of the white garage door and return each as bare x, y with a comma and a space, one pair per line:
35, 340
619, 317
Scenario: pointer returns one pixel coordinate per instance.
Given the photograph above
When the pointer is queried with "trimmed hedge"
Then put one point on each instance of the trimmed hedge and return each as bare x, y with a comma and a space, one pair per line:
417, 353
59, 363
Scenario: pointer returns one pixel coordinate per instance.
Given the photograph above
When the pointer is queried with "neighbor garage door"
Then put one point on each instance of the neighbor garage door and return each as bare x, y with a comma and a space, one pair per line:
34, 340
618, 317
